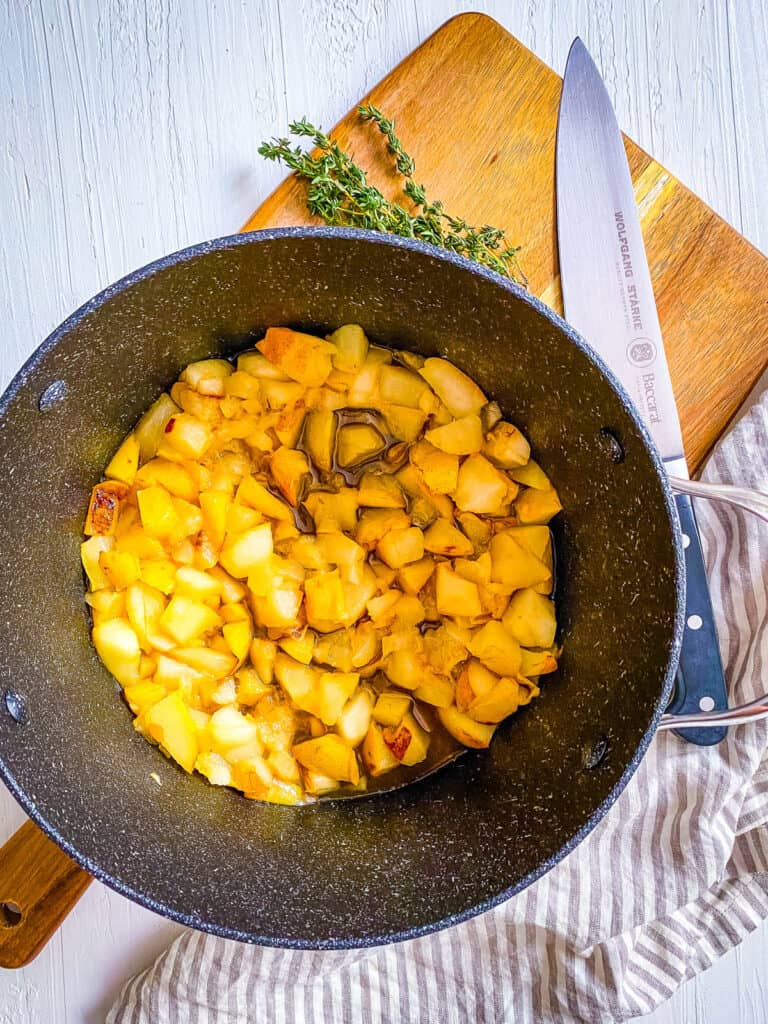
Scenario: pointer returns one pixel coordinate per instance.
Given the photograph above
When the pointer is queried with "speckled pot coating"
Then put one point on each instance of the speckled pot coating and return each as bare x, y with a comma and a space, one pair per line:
360, 872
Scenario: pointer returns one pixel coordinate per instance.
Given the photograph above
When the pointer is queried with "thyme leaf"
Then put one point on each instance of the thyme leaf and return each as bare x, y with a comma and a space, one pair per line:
340, 194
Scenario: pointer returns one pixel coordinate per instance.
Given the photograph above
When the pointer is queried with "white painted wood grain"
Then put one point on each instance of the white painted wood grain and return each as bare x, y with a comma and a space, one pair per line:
128, 128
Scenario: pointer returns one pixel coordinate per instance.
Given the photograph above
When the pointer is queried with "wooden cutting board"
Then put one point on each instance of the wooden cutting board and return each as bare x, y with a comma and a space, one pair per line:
711, 288
711, 285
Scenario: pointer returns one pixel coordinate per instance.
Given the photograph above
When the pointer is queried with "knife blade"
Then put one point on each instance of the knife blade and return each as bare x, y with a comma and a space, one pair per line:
608, 297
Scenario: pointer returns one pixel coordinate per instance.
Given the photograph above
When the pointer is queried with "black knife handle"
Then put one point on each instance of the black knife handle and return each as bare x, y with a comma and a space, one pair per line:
700, 680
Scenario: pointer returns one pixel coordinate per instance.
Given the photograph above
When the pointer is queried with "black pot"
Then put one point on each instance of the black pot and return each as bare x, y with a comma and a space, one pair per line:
389, 867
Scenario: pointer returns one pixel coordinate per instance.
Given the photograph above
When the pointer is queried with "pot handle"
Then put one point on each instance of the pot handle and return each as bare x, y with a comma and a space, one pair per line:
39, 885
756, 710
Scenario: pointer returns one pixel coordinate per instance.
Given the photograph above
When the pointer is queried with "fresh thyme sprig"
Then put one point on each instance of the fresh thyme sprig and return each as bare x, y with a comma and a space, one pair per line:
339, 194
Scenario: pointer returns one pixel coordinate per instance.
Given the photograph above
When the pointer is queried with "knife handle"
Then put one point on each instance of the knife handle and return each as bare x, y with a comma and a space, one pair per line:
700, 680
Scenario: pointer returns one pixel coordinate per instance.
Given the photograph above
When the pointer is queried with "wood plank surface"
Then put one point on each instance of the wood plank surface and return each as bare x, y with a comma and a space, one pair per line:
498, 167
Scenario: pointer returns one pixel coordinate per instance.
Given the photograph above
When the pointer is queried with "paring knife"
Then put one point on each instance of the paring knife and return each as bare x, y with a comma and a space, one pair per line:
608, 298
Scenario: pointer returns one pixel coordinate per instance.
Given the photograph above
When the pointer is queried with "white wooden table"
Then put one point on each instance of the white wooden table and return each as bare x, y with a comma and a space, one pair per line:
128, 128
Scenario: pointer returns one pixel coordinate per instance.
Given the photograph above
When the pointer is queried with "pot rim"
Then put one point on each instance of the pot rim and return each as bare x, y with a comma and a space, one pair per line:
444, 256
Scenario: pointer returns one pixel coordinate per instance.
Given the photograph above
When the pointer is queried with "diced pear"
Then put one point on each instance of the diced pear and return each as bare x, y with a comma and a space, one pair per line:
207, 660
341, 551
351, 348
122, 568
207, 376
230, 731
465, 729
497, 704
408, 742
170, 724
173, 476
302, 357
328, 755
399, 386
531, 475
324, 598
478, 530
353, 722
455, 389
159, 573
144, 605
188, 435
332, 512
454, 595
151, 427
513, 564
404, 668
157, 512
301, 648
289, 467
391, 707
379, 491
439, 469
435, 690
104, 508
238, 636
251, 492
534, 506
356, 443
530, 618
118, 647
214, 768
316, 784
109, 604
242, 385
443, 538
197, 584
537, 663
185, 619
284, 766
143, 695
242, 552
377, 757
299, 681
374, 524
444, 651
257, 365
476, 569
232, 590
279, 609
287, 427
333, 692
459, 437
496, 648
506, 447
189, 519
124, 463
241, 518
90, 555
413, 577
281, 393
263, 654
399, 547
482, 487
403, 422
409, 611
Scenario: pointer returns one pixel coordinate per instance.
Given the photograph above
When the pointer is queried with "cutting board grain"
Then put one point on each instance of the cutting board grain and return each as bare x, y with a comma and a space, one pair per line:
478, 111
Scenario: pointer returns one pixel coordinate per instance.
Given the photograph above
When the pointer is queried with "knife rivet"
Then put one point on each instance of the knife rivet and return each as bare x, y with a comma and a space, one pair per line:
706, 704
612, 445
695, 622
686, 540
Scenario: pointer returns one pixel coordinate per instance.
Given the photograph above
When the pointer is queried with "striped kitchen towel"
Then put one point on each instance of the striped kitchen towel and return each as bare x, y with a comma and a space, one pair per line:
674, 875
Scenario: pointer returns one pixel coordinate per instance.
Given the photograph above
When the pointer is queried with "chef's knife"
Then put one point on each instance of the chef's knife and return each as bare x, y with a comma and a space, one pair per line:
608, 297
